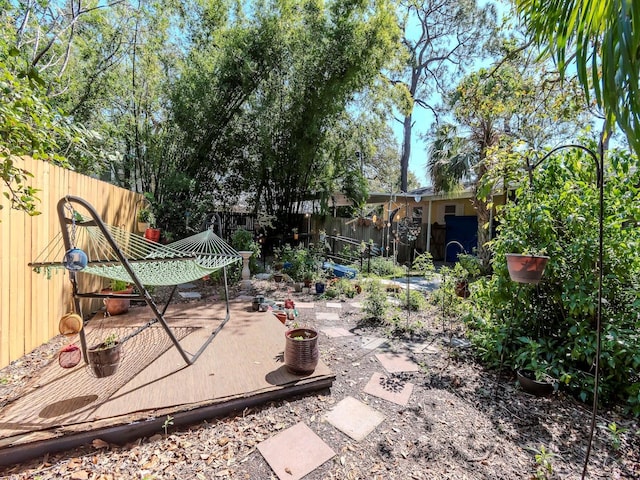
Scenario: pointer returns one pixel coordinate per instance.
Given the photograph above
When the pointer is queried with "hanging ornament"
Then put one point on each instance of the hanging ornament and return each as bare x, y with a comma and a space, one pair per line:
70, 324
75, 259
69, 356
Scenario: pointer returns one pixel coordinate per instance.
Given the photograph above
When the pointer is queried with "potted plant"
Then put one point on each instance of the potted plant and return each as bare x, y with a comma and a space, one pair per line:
104, 358
146, 219
532, 369
526, 267
301, 350
295, 233
465, 271
117, 306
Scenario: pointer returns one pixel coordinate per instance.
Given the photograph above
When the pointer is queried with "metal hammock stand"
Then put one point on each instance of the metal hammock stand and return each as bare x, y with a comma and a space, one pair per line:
117, 254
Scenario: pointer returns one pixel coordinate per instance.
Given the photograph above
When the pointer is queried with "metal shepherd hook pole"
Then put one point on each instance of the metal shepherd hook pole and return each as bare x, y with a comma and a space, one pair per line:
599, 163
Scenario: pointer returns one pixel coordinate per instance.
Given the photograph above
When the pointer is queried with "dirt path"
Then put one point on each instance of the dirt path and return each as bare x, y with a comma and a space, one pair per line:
461, 422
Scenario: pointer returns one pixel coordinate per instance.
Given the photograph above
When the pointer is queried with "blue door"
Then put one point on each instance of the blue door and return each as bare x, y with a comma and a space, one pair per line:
463, 229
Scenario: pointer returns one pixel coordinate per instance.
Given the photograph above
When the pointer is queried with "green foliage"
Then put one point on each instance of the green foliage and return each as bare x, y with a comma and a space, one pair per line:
616, 434
167, 423
415, 302
423, 264
300, 263
110, 341
145, 215
385, 267
376, 304
118, 285
242, 240
544, 460
550, 328
600, 39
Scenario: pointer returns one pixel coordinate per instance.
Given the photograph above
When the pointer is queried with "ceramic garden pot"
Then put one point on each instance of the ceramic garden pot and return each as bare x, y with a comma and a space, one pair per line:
104, 362
526, 268
301, 351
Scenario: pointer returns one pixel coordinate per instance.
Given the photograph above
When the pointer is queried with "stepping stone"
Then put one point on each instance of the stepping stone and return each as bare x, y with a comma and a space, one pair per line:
186, 286
334, 305
189, 294
460, 342
354, 418
333, 332
392, 389
371, 343
301, 305
327, 316
295, 452
357, 305
425, 347
397, 362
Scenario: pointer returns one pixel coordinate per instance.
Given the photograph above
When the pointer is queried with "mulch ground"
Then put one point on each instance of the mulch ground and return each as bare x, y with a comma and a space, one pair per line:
462, 422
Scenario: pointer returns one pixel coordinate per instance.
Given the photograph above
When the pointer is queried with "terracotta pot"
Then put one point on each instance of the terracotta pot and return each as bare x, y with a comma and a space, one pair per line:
526, 268
280, 315
277, 277
529, 384
152, 234
117, 306
301, 351
462, 289
104, 362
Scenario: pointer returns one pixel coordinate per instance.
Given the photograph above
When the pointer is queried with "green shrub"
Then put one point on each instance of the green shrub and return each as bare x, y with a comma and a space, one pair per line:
384, 267
376, 304
553, 323
415, 302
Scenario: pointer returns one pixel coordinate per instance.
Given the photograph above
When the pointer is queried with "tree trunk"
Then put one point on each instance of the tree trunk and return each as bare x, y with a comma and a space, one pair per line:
406, 152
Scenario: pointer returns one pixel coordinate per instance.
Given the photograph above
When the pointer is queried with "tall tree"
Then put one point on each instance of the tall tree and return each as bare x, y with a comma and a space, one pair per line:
601, 39
441, 38
273, 106
517, 104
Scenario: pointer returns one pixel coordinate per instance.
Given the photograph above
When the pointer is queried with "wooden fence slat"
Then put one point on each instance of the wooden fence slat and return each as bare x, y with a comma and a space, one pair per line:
30, 304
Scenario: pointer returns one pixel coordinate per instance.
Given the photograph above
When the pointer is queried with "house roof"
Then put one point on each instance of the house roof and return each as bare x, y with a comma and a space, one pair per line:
420, 195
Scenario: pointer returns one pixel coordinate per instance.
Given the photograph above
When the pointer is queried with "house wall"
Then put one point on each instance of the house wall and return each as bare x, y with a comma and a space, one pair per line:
30, 304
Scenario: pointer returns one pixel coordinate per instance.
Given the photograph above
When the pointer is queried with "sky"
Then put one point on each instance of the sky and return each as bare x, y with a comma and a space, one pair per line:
423, 119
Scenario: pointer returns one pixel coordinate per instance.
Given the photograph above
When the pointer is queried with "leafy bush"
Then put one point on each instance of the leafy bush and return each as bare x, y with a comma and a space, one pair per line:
384, 267
415, 302
552, 326
376, 303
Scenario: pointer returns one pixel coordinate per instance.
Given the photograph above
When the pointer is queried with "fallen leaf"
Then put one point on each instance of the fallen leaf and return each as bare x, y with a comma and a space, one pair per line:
288, 470
99, 443
222, 441
79, 475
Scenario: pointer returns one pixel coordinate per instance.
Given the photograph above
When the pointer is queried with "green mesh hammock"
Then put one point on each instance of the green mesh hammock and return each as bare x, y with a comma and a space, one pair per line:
117, 254
153, 264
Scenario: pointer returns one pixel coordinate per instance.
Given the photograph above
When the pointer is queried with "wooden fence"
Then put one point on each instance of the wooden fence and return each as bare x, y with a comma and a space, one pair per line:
30, 304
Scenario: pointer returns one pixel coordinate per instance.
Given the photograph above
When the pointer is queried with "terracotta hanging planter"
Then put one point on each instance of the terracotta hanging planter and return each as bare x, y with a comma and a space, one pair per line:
301, 351
526, 268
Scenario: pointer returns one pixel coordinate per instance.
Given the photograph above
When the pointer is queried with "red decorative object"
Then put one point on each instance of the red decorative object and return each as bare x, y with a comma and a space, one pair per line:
526, 268
152, 234
69, 356
288, 304
280, 315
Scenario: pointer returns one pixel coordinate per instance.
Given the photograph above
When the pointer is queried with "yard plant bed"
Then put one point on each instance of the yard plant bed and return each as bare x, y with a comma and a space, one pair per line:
461, 421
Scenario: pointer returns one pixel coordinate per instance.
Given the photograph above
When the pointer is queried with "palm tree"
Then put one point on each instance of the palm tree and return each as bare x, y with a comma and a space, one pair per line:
605, 37
454, 159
